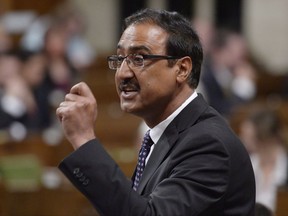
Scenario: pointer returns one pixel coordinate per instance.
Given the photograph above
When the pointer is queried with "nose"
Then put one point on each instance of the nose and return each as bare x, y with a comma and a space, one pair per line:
124, 71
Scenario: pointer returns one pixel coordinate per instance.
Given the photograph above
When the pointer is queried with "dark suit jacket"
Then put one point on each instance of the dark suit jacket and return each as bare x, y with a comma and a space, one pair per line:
198, 167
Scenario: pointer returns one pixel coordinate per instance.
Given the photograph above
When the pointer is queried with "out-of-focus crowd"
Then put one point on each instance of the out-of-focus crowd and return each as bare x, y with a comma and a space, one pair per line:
228, 77
37, 69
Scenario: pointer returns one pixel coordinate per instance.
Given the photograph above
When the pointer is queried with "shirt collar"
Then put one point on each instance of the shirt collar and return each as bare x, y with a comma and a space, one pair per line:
157, 131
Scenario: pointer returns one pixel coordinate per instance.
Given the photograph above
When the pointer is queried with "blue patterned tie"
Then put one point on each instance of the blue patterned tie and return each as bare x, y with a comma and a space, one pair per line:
144, 151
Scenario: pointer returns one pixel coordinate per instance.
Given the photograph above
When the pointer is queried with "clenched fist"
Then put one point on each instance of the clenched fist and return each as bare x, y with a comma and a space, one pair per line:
77, 114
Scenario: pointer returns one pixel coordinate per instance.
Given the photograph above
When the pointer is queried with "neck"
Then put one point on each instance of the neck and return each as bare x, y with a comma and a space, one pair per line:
173, 105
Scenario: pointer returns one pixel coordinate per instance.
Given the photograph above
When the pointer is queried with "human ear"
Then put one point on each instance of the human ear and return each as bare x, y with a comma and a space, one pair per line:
184, 69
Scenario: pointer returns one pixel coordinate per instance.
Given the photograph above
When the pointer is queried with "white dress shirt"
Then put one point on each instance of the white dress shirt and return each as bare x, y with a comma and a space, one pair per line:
157, 131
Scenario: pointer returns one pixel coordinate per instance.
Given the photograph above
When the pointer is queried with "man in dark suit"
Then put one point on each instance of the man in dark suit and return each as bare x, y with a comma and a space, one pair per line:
196, 166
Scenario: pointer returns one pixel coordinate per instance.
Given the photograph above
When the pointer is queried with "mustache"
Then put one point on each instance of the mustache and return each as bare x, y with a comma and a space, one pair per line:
127, 85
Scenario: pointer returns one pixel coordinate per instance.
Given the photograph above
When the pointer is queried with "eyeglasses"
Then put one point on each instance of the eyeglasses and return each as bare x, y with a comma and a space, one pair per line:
137, 60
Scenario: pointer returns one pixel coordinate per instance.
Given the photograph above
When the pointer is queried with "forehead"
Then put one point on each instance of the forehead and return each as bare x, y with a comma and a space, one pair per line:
144, 36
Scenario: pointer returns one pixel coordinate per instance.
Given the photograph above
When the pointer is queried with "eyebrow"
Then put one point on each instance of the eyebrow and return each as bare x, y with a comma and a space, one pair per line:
134, 49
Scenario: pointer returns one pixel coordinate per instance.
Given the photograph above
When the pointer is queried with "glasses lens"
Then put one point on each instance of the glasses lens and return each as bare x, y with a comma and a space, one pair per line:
137, 60
113, 62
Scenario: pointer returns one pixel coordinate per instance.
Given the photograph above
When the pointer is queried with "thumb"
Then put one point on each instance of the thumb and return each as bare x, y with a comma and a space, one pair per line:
81, 89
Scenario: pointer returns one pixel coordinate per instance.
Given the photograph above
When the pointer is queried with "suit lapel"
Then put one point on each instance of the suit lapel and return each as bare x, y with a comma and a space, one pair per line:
160, 151
185, 119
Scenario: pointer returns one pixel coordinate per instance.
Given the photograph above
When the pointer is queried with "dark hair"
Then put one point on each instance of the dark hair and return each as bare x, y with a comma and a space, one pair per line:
182, 40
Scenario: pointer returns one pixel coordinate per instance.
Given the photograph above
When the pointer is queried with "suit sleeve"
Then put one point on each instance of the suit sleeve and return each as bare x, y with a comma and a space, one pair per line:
95, 174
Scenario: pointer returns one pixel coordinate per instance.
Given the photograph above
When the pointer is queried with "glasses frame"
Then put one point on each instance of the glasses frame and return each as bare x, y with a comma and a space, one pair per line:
118, 60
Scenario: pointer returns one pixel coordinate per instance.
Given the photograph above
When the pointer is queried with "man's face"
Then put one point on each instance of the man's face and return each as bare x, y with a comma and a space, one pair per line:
146, 91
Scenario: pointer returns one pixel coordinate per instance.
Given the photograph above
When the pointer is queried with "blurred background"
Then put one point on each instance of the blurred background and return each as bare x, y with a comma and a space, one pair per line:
47, 46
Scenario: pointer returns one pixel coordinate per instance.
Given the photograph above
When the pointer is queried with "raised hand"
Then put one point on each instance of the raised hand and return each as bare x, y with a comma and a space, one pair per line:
77, 114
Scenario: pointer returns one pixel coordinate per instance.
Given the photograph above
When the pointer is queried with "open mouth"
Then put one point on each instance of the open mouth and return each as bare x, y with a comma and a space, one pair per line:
129, 87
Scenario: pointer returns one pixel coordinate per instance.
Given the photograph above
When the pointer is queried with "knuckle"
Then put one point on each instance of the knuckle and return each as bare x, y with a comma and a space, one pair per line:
67, 97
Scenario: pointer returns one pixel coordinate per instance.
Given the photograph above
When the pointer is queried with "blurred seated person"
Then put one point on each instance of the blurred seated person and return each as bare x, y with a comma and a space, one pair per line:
34, 74
60, 70
79, 51
70, 20
227, 79
49, 74
16, 99
5, 41
261, 133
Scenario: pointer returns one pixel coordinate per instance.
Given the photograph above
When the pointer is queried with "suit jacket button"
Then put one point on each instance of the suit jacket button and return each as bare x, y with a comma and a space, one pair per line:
82, 179
80, 174
76, 170
86, 182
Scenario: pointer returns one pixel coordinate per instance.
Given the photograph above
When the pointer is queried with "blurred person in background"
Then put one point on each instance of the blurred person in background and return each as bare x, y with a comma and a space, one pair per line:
228, 79
80, 53
262, 134
17, 101
6, 43
34, 74
49, 75
77, 49
59, 69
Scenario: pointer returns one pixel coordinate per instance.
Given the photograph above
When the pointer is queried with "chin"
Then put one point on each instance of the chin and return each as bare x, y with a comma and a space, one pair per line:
126, 108
130, 109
